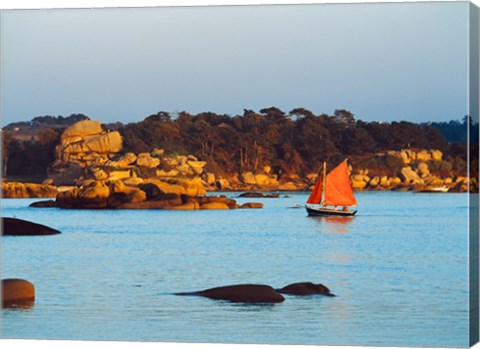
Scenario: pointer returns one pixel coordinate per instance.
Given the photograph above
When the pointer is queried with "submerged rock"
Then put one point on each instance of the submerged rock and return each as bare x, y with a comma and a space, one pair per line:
255, 194
305, 288
253, 293
245, 293
15, 226
44, 203
252, 205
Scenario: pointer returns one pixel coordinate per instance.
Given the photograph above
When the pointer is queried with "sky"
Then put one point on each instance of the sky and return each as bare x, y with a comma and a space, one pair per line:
381, 61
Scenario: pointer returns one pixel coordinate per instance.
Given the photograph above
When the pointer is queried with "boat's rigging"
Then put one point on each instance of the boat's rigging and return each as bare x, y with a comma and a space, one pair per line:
332, 189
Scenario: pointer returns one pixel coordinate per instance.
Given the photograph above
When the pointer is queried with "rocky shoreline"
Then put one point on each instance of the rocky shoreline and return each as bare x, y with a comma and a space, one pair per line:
32, 190
90, 167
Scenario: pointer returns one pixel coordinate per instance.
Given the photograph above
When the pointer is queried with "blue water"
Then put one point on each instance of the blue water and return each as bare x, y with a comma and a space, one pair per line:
399, 268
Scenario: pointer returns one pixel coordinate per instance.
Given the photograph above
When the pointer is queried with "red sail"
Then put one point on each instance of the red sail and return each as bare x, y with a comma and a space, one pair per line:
316, 194
338, 188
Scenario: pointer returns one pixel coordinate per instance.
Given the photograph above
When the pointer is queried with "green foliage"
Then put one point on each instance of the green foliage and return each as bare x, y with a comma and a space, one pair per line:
456, 131
7, 140
29, 158
48, 121
290, 143
293, 143
49, 137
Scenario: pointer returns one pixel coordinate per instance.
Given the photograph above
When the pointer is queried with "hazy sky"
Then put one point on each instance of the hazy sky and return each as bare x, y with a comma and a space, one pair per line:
406, 61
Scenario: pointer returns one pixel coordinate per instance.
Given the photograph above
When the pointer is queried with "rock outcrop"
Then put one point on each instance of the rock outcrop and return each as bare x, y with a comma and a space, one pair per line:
27, 190
146, 160
87, 152
410, 155
17, 292
83, 146
414, 170
150, 194
407, 169
214, 206
410, 176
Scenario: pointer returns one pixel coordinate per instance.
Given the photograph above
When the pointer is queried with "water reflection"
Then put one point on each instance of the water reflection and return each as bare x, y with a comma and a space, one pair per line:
334, 224
18, 305
250, 307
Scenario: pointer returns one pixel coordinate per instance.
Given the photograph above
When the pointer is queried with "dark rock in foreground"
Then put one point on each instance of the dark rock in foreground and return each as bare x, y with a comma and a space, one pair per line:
246, 293
305, 288
17, 293
14, 226
251, 293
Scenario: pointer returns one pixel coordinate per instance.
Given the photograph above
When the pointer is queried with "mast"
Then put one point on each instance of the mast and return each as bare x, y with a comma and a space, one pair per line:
324, 179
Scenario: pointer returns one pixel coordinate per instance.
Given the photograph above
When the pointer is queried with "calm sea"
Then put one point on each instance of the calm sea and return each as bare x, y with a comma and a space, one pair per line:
399, 268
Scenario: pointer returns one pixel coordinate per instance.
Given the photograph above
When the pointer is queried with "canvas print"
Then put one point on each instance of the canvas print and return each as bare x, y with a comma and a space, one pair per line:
271, 174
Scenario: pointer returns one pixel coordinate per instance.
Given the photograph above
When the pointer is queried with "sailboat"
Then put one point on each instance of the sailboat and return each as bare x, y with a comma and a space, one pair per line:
331, 191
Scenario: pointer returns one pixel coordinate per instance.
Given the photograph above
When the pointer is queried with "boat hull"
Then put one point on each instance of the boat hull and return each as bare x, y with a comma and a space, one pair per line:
444, 189
328, 212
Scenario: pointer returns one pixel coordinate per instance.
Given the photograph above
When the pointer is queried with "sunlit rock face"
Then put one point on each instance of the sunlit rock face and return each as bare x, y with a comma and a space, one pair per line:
83, 146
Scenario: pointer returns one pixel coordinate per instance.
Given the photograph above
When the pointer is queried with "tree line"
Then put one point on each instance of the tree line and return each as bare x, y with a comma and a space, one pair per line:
290, 143
293, 142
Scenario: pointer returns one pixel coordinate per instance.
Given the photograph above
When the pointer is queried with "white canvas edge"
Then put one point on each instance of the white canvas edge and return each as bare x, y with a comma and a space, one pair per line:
52, 4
